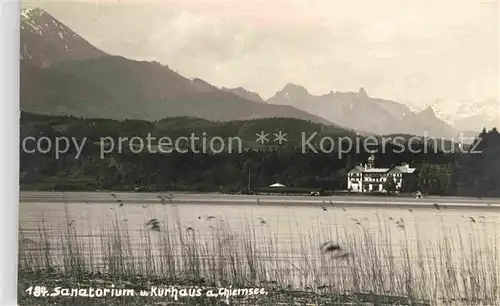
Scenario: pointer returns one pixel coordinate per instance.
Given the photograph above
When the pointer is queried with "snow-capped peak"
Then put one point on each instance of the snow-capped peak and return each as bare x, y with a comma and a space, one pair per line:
456, 110
28, 13
42, 23
45, 40
469, 114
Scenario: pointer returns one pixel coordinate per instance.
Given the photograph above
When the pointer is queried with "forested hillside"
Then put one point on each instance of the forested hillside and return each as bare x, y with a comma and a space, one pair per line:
459, 173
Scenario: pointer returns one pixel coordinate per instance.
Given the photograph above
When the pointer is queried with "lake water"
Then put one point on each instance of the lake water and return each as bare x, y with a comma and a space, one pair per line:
288, 229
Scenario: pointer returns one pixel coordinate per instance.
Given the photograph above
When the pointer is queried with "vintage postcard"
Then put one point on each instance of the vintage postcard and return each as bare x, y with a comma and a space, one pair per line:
259, 153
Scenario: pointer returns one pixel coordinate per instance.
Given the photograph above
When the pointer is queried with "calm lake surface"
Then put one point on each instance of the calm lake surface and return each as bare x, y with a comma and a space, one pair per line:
288, 220
286, 228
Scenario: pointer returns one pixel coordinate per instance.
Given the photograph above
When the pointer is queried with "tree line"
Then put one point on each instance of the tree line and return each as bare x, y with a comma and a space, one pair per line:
441, 173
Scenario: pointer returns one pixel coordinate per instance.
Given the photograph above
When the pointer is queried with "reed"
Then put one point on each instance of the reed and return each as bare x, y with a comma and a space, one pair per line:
254, 256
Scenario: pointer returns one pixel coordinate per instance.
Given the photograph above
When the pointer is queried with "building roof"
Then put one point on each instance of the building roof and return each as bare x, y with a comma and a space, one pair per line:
277, 185
402, 169
357, 169
376, 170
405, 169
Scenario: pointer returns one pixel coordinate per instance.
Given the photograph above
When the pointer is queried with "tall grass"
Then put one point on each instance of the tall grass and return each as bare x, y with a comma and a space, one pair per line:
444, 272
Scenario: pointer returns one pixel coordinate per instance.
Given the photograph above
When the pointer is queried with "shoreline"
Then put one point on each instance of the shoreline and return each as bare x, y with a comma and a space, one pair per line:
336, 201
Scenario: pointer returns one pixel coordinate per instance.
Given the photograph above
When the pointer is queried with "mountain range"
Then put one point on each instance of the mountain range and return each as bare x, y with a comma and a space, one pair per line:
359, 111
63, 74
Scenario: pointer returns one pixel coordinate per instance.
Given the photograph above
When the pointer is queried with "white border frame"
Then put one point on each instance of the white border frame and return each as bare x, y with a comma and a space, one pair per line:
9, 144
9, 152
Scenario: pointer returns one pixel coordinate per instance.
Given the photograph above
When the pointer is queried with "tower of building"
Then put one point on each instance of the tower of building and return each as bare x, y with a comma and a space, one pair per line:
371, 162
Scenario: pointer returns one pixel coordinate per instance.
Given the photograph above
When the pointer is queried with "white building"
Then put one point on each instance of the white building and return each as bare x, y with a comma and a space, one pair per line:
367, 178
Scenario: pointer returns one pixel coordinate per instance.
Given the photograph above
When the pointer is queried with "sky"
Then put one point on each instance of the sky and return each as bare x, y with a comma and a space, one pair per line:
414, 52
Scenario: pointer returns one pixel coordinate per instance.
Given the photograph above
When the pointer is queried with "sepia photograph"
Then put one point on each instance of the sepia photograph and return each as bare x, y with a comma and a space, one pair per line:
259, 152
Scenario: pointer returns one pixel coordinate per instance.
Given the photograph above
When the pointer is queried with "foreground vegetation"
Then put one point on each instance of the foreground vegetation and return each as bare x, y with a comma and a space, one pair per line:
460, 270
